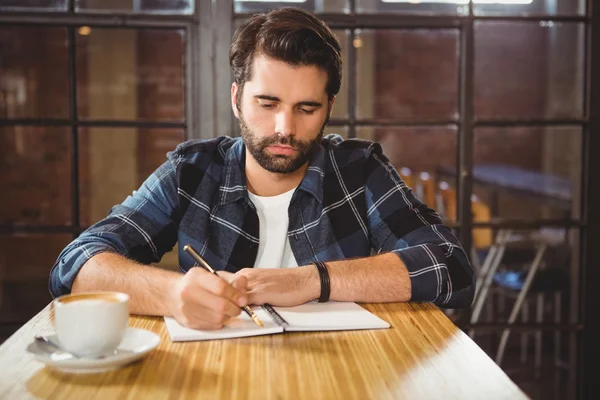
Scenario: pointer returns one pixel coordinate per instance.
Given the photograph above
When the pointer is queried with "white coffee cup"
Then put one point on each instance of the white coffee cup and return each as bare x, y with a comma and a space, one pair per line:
91, 324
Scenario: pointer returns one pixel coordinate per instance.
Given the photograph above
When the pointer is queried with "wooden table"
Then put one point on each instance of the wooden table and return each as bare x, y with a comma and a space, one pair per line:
423, 356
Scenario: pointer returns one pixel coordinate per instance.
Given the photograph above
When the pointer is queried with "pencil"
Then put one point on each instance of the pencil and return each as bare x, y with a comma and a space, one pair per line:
205, 265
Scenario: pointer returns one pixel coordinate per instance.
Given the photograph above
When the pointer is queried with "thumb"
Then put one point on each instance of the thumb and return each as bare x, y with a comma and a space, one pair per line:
239, 282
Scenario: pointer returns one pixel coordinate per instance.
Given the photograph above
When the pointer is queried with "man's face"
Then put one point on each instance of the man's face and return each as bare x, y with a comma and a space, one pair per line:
282, 113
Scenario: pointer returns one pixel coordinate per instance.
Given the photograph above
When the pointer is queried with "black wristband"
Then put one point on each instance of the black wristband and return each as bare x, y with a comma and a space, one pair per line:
324, 277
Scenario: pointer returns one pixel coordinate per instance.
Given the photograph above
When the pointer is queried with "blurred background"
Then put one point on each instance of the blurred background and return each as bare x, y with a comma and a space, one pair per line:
483, 107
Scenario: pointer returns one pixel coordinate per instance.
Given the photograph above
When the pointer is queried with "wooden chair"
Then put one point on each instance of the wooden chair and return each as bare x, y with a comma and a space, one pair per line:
425, 189
447, 207
407, 176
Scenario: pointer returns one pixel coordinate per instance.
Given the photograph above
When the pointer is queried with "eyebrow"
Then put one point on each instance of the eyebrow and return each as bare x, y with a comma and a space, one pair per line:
300, 103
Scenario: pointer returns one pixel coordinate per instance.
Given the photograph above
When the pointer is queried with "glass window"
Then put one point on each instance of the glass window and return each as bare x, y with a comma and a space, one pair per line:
433, 7
528, 173
529, 7
35, 172
34, 5
136, 6
337, 130
340, 108
34, 68
114, 162
552, 297
407, 74
529, 70
128, 74
25, 262
405, 147
330, 6
480, 7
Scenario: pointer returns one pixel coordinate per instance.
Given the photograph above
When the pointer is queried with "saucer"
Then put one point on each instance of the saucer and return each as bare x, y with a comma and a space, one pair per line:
135, 344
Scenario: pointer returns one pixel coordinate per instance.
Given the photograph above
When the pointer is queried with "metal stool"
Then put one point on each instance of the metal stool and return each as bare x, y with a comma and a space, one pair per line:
535, 279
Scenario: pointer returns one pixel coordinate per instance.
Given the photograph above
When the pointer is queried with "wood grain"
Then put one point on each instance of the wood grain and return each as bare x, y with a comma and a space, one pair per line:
423, 356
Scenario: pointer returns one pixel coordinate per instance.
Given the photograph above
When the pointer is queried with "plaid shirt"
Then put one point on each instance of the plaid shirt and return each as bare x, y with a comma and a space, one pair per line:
351, 203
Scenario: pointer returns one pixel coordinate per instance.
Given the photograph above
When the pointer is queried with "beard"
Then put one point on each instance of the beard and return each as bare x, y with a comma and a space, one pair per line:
279, 163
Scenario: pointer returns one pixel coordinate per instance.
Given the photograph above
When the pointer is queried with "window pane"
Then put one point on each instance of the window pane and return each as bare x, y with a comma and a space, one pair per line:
116, 161
130, 74
34, 81
437, 7
528, 173
530, 7
35, 170
33, 5
405, 147
529, 70
552, 298
137, 6
329, 6
337, 130
25, 263
340, 108
407, 74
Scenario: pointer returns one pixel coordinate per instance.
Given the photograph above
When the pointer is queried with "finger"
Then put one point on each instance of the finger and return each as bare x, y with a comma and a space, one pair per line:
255, 297
243, 272
203, 298
241, 279
196, 322
202, 314
239, 282
225, 275
218, 286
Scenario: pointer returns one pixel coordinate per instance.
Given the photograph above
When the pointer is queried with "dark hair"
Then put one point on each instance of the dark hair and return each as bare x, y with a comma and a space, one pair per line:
291, 35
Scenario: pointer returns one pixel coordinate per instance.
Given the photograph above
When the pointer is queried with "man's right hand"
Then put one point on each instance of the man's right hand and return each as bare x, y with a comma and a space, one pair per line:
201, 300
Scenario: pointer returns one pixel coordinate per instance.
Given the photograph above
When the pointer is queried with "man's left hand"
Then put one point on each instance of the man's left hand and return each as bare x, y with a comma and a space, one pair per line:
284, 287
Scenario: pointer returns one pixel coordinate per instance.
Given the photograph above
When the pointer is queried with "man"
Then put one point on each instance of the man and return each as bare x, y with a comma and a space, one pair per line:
263, 208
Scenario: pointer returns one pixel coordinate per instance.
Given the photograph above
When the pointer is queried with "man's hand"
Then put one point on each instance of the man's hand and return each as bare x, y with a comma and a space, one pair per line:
285, 287
201, 300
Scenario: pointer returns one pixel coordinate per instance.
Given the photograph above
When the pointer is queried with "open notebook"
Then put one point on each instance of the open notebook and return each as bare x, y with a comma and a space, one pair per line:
312, 316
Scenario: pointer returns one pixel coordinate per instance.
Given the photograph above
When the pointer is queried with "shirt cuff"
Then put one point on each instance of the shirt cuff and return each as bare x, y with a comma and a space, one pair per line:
427, 269
67, 267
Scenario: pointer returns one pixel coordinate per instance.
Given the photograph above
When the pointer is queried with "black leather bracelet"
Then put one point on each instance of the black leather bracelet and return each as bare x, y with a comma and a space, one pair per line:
324, 278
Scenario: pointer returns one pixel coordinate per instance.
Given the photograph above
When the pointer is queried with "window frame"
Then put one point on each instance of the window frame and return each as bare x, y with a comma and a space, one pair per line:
208, 114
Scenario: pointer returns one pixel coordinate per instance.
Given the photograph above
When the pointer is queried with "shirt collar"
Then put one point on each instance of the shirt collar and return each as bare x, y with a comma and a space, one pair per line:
233, 178
315, 174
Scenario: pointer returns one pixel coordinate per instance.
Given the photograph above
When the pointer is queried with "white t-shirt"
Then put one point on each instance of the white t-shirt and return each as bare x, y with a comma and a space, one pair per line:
274, 249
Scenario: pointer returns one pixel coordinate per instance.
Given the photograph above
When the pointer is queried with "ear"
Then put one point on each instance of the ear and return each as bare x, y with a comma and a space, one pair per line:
234, 91
331, 103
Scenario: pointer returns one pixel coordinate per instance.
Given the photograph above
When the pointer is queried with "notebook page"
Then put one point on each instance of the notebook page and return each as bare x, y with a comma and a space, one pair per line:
330, 316
241, 326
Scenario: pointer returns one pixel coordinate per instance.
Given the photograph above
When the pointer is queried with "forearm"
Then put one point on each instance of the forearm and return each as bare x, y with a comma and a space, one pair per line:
149, 288
376, 279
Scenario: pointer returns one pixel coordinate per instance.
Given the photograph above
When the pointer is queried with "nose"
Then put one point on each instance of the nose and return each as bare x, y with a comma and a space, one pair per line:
285, 124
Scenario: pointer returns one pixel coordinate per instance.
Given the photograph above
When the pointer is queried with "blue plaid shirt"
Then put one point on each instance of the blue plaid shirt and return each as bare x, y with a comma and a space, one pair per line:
351, 203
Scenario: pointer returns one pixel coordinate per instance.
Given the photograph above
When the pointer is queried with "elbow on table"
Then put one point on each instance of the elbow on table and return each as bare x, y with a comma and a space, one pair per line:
459, 298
